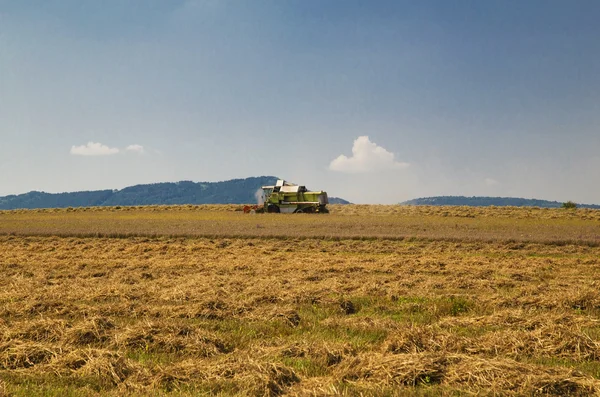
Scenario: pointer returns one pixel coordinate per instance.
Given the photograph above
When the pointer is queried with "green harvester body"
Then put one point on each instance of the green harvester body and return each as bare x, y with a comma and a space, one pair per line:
287, 197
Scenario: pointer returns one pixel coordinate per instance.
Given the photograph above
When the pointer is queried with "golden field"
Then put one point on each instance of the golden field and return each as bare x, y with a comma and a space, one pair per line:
368, 300
345, 221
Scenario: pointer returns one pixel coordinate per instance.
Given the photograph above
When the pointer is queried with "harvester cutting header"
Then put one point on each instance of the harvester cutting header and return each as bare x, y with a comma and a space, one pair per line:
286, 197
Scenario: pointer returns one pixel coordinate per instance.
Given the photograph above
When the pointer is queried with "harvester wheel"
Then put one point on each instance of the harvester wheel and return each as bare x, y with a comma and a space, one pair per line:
298, 211
273, 209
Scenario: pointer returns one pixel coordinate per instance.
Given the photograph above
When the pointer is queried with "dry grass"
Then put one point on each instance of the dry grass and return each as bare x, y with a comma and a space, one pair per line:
556, 226
296, 315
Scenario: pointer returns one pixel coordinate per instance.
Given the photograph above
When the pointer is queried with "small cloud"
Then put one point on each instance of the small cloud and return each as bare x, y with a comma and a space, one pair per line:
367, 156
491, 182
93, 149
135, 148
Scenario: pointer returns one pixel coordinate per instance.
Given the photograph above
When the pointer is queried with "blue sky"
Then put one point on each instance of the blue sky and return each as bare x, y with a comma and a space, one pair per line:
373, 101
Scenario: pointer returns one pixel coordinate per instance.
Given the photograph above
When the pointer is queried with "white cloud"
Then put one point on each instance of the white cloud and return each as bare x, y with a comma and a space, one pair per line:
93, 149
491, 182
98, 149
367, 156
135, 148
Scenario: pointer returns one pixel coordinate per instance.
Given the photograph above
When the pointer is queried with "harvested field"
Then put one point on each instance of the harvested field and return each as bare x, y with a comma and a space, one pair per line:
556, 226
192, 301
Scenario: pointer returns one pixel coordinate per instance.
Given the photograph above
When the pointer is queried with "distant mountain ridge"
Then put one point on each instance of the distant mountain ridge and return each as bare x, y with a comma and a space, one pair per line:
489, 201
337, 200
234, 191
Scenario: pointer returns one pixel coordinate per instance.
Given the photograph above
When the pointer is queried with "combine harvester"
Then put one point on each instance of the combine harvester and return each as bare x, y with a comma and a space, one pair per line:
289, 198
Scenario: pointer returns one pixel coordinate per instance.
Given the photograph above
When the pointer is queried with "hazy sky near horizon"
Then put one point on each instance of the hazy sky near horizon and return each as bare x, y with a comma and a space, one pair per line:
373, 101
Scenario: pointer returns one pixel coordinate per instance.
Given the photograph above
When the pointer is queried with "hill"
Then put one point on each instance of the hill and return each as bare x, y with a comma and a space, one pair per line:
337, 200
488, 201
235, 191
